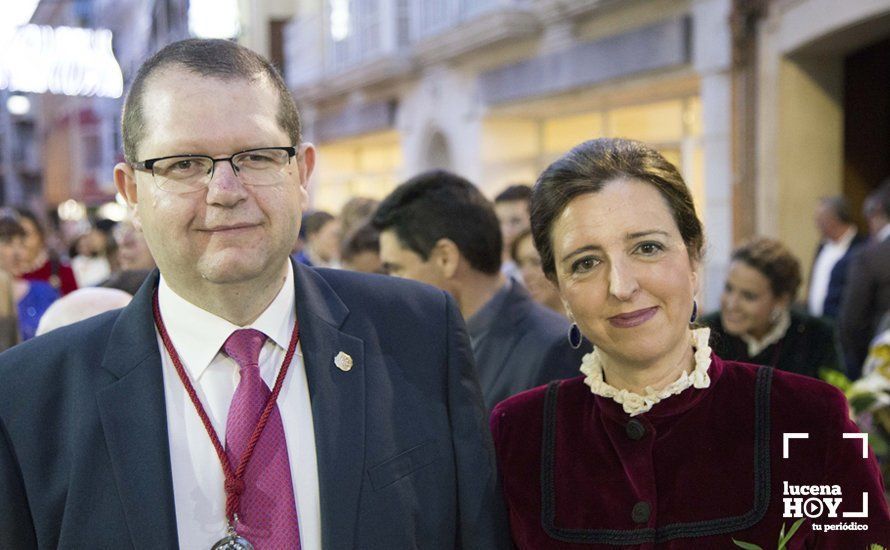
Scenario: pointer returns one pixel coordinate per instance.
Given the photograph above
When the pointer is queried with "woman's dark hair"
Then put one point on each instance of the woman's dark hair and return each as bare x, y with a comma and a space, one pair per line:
10, 226
588, 168
774, 261
313, 222
25, 214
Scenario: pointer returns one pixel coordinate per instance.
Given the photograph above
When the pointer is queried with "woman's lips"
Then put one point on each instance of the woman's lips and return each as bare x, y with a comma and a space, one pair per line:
634, 318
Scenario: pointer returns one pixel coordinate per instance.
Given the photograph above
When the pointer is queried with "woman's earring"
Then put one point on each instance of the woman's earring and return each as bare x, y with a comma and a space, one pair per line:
574, 336
694, 312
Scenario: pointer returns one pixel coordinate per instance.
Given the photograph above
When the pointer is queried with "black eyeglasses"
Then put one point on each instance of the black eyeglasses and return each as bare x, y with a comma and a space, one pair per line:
184, 173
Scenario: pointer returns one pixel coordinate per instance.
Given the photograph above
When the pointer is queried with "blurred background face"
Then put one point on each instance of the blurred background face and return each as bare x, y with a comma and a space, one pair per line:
748, 302
541, 289
132, 252
400, 261
33, 242
366, 261
91, 244
12, 255
513, 217
326, 242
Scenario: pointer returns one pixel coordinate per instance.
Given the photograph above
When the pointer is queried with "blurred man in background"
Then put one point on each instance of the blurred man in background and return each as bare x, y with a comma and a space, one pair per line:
840, 239
511, 208
439, 229
866, 297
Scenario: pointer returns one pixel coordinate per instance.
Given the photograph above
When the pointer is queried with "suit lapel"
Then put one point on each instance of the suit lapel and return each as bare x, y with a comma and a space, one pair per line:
338, 404
134, 420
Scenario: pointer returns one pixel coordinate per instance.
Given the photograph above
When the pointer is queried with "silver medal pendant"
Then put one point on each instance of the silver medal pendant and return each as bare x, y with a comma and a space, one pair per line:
232, 541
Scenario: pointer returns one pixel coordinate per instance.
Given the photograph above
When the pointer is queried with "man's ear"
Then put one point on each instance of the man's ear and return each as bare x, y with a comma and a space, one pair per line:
125, 181
446, 257
305, 163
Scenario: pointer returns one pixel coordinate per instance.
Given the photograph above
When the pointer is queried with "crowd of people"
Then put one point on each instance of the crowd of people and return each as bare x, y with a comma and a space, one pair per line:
553, 383
35, 275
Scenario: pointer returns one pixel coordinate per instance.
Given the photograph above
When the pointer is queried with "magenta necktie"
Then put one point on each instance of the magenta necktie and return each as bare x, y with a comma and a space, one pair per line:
268, 515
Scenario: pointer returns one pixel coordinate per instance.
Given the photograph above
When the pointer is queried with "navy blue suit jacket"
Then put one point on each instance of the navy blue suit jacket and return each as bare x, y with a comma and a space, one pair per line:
527, 346
405, 459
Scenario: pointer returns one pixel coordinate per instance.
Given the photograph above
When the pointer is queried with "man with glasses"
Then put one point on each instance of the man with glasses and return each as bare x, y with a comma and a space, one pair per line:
242, 401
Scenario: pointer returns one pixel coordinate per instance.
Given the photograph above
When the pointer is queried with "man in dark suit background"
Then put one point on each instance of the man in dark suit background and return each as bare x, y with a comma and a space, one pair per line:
376, 436
438, 228
840, 239
866, 297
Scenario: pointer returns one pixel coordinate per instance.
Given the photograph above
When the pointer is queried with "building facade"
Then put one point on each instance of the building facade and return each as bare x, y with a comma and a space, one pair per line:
759, 103
496, 90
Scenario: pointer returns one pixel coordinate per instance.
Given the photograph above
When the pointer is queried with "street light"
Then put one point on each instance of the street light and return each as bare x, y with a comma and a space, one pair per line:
18, 105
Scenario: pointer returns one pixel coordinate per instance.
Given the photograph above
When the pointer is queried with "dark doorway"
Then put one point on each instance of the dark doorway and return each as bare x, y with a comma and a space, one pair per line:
866, 121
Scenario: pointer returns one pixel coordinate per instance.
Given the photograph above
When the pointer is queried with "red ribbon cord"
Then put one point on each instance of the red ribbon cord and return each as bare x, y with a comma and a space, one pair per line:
234, 484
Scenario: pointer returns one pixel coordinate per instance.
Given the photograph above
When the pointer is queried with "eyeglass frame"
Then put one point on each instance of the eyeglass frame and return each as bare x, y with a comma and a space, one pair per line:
147, 165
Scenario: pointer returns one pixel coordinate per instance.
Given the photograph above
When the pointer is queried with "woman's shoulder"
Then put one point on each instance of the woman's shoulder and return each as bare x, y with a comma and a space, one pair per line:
533, 399
794, 393
525, 410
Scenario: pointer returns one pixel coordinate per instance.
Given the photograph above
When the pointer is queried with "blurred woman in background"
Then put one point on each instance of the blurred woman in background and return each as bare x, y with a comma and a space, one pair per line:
41, 262
526, 257
756, 323
32, 298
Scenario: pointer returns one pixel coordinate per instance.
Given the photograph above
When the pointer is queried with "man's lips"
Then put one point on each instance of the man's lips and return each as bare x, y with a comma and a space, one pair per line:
230, 227
634, 318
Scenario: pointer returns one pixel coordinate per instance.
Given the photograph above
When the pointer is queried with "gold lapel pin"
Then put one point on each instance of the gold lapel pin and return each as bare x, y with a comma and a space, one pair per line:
343, 361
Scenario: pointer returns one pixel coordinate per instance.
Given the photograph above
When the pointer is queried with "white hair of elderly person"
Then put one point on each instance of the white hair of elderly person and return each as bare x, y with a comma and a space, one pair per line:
81, 304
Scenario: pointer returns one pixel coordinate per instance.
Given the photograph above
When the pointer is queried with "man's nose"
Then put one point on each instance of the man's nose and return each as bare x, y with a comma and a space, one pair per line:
225, 186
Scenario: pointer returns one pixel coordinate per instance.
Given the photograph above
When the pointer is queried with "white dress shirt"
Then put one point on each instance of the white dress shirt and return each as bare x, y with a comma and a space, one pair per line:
829, 256
198, 479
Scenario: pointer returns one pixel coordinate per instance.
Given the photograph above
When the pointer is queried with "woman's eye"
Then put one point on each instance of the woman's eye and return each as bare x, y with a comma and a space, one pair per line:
650, 248
584, 265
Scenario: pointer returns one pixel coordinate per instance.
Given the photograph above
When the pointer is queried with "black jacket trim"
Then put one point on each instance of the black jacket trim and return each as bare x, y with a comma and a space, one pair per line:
621, 537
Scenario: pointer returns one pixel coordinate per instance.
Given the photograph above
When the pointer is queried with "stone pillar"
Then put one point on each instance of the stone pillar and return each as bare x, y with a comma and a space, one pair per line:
712, 60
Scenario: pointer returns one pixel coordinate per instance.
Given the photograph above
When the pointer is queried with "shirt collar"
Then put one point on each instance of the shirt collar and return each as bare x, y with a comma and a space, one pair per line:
845, 240
755, 346
198, 335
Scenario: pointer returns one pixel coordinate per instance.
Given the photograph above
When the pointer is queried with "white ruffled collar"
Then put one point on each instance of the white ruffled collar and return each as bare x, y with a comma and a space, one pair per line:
780, 327
634, 403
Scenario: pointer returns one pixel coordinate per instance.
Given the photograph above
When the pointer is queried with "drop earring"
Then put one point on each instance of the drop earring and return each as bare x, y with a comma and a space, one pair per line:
575, 336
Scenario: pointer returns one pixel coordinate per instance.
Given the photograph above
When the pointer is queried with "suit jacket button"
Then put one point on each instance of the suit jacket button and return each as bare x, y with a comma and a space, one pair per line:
635, 430
641, 512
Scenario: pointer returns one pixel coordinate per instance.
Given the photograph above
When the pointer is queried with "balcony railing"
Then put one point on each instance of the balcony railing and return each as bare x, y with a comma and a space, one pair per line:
348, 33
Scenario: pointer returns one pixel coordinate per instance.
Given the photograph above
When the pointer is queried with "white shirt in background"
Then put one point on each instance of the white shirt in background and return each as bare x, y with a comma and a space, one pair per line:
829, 255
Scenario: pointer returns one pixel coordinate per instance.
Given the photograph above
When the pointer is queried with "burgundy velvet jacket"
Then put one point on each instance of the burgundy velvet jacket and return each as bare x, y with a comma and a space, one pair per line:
699, 469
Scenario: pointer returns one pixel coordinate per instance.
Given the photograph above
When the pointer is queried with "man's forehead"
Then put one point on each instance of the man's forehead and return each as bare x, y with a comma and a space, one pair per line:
182, 108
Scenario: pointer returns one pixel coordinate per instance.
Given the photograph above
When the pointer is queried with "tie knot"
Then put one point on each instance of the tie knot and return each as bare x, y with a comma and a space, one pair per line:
244, 346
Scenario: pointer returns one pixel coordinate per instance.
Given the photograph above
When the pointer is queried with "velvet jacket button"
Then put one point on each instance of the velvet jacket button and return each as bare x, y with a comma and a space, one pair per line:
641, 512
635, 430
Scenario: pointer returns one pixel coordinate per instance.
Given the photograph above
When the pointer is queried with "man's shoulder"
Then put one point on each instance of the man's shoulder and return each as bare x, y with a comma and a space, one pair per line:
57, 348
380, 291
873, 254
534, 317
